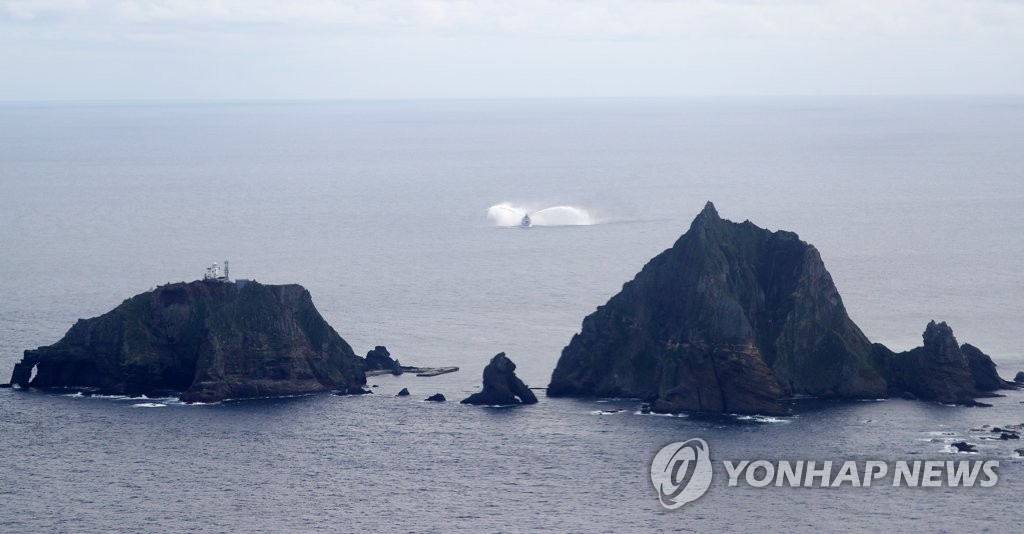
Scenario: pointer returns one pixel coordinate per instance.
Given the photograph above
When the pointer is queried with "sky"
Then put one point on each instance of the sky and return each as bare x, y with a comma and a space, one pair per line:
399, 49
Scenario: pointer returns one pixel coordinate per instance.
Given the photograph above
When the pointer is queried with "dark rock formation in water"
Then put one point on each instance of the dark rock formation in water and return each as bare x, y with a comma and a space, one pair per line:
403, 393
379, 359
210, 340
436, 397
1019, 377
735, 318
501, 385
936, 371
963, 446
940, 370
983, 370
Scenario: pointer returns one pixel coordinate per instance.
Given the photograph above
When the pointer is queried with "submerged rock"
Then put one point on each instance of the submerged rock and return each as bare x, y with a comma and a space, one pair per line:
429, 371
735, 318
352, 391
436, 397
210, 340
963, 446
501, 385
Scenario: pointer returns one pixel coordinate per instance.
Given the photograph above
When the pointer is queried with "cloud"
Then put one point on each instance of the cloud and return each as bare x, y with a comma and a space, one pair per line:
33, 9
568, 18
410, 48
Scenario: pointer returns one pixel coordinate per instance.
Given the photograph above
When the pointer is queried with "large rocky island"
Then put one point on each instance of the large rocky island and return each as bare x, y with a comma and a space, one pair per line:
208, 340
735, 318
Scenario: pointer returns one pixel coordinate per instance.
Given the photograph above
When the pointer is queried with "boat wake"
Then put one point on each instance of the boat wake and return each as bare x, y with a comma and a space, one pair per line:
506, 214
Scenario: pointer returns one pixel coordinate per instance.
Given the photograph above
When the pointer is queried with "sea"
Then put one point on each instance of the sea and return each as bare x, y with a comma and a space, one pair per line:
402, 220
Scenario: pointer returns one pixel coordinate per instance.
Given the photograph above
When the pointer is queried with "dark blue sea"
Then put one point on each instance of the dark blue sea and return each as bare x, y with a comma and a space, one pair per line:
388, 212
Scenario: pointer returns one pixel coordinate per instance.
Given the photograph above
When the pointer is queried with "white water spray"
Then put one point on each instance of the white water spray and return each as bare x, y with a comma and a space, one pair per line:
506, 214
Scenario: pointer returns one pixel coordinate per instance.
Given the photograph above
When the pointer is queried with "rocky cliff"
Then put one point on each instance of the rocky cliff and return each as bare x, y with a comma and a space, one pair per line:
379, 359
732, 318
983, 370
941, 369
209, 340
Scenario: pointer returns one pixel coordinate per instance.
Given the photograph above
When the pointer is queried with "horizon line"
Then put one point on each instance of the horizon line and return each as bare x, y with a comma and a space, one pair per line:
326, 100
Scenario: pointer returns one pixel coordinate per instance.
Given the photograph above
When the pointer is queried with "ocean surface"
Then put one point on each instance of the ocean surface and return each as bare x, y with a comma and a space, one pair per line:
385, 211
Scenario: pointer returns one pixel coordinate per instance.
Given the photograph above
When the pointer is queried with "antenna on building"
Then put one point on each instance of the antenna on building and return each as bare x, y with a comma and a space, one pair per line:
214, 272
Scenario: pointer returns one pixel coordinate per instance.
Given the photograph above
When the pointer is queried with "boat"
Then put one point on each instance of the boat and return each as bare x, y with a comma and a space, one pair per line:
526, 222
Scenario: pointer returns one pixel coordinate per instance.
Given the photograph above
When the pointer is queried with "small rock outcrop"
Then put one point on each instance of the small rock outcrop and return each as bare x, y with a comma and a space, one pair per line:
963, 446
209, 340
379, 359
937, 371
403, 393
736, 318
501, 385
941, 369
436, 397
983, 370
1019, 377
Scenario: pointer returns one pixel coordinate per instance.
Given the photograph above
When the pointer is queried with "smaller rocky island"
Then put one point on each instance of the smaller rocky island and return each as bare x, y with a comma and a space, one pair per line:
501, 385
379, 362
207, 340
941, 370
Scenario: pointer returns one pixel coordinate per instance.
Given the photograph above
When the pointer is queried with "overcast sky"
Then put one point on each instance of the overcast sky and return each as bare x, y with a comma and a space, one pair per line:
338, 49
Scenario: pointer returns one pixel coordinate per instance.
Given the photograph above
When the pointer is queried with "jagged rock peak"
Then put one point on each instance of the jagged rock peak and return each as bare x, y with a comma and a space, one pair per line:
939, 340
732, 318
709, 212
706, 218
501, 385
379, 359
939, 370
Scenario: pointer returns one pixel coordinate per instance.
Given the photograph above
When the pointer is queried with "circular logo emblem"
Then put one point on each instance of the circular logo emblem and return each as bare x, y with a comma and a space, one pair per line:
681, 472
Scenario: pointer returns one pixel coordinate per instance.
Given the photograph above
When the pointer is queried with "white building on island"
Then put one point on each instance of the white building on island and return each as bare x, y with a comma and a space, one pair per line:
214, 272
